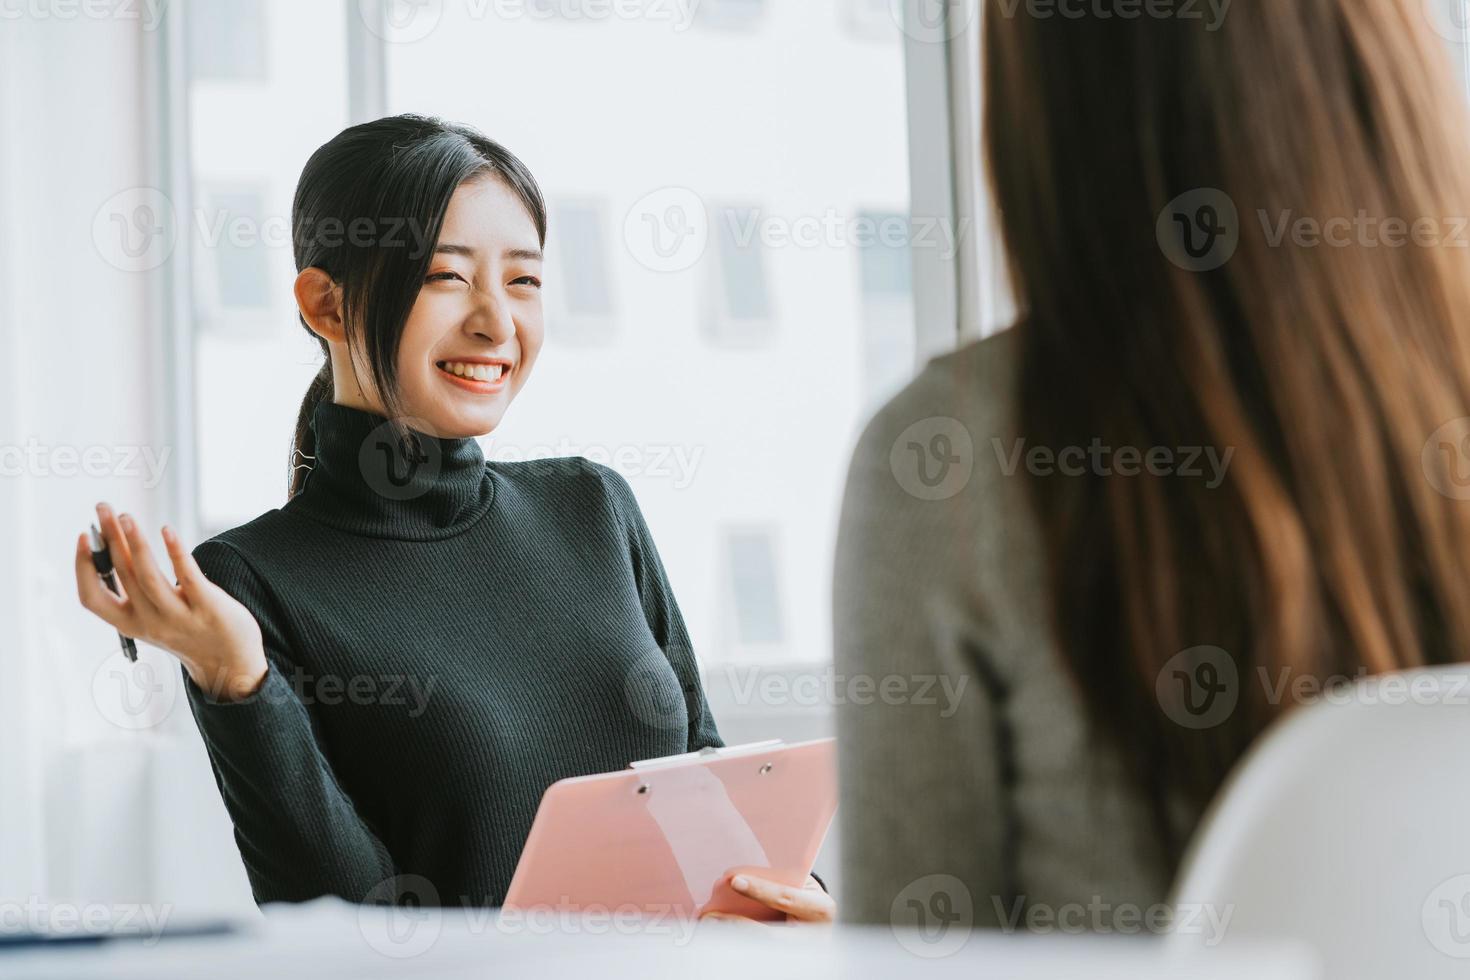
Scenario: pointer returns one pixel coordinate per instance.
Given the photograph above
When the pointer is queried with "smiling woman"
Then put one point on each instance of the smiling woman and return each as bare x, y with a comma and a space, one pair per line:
527, 601
473, 299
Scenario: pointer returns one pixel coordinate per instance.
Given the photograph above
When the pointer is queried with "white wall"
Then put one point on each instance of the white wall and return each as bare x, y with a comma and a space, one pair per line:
20, 868
79, 371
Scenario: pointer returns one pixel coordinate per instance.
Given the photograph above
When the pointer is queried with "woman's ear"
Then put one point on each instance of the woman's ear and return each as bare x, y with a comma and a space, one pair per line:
319, 299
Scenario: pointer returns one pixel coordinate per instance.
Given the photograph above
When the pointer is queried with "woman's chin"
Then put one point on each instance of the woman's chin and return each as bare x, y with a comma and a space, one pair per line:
449, 421
469, 425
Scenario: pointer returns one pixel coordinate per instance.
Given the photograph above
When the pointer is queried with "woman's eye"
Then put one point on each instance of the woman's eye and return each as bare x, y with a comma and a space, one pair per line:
445, 277
528, 280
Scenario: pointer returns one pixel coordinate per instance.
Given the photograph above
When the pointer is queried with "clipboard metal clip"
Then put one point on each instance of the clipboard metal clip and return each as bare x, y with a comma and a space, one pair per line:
708, 752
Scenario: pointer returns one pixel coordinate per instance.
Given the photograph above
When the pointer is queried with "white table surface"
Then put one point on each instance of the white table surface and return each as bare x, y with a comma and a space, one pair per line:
327, 938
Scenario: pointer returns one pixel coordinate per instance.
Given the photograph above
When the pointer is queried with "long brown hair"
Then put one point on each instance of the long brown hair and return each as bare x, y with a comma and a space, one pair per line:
1322, 362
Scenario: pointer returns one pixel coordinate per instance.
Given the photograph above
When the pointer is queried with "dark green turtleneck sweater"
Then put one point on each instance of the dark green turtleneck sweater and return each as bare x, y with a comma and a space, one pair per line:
447, 637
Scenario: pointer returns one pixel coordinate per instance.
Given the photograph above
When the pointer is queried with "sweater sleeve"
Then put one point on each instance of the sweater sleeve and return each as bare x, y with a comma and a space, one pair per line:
299, 834
660, 607
923, 801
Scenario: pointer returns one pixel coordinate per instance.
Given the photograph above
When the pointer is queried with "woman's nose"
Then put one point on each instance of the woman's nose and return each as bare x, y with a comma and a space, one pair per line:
492, 318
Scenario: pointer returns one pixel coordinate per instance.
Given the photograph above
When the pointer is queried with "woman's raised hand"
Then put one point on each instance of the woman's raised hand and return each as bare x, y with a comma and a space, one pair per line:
216, 638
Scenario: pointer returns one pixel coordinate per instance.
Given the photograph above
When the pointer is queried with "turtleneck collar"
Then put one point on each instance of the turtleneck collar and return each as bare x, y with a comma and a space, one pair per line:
366, 480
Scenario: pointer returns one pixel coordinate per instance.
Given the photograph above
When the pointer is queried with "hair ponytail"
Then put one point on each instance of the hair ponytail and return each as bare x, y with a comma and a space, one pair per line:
303, 444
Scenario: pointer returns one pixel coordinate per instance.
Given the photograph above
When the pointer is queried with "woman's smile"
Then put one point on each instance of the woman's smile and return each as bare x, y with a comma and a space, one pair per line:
481, 375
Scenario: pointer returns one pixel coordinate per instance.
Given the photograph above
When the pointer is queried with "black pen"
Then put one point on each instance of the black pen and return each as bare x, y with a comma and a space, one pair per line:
102, 561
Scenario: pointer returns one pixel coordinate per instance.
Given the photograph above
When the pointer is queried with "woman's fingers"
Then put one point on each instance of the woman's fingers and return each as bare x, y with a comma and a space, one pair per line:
809, 904
117, 547
119, 612
187, 572
93, 594
768, 893
151, 583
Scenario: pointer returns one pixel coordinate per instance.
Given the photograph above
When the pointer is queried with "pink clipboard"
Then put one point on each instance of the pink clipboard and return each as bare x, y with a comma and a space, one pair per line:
665, 836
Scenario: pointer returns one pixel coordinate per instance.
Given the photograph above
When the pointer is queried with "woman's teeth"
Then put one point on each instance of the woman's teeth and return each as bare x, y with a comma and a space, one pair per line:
475, 372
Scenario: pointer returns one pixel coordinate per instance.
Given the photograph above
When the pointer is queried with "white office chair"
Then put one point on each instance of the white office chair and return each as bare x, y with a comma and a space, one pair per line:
1348, 826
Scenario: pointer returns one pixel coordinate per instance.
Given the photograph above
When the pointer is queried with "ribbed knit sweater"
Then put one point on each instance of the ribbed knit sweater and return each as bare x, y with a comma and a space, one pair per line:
447, 637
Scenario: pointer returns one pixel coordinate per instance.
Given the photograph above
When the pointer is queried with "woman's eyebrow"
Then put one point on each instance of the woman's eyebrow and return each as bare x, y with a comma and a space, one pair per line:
450, 248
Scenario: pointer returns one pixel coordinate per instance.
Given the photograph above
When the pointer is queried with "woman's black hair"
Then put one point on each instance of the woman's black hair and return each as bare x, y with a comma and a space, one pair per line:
368, 210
